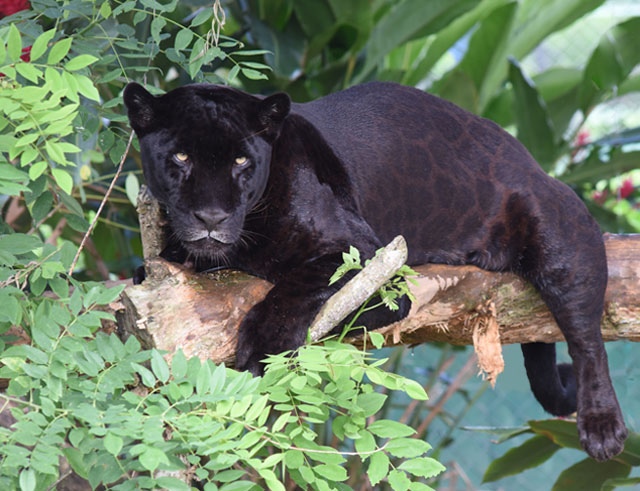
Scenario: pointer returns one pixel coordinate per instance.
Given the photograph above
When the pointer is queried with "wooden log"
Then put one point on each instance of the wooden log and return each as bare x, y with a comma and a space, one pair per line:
200, 313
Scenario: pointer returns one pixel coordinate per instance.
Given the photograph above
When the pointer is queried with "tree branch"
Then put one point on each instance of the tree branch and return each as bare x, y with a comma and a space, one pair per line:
200, 313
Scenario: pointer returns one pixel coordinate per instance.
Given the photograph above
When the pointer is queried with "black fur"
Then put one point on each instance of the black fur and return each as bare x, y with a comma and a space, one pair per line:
357, 168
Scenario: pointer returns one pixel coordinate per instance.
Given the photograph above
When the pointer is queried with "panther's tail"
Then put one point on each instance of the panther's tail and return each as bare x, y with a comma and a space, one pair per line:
553, 385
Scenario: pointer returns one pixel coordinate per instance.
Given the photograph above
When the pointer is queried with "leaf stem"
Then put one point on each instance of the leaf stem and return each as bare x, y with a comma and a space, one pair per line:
106, 197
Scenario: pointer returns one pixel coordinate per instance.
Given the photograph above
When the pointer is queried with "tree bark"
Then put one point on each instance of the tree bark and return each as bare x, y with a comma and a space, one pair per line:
200, 313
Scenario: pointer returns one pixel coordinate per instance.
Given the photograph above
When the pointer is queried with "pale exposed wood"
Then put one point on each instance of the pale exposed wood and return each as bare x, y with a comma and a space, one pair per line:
359, 288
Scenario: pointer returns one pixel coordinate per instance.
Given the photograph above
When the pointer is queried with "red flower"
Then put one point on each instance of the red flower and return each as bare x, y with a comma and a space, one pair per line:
26, 54
8, 7
626, 189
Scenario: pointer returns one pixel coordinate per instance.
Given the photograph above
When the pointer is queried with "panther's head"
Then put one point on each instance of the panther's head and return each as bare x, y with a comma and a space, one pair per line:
206, 153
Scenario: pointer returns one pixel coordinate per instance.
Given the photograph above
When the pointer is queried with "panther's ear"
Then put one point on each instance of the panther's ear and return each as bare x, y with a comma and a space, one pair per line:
272, 112
139, 104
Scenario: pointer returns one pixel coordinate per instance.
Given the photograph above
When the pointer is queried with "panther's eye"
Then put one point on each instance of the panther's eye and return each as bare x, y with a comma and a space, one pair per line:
241, 161
180, 157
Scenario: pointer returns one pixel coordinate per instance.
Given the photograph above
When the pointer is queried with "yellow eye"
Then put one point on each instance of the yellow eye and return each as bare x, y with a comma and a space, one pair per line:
241, 160
182, 157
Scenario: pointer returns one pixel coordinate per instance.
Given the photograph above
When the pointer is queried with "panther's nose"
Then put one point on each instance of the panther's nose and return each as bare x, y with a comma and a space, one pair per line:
211, 218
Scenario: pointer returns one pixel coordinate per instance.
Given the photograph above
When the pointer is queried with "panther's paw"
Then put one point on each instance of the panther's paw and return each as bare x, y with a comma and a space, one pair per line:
139, 275
602, 433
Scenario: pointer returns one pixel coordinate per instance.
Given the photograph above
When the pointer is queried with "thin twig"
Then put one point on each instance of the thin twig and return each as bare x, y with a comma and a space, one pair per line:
106, 197
464, 373
62, 478
412, 405
49, 215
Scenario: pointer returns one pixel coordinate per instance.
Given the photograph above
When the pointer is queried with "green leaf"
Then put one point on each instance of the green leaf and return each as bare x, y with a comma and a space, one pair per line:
203, 16
59, 51
19, 243
447, 37
166, 7
418, 486
407, 447
27, 476
183, 39
484, 61
54, 150
112, 444
63, 179
252, 74
196, 58
387, 428
28, 71
371, 403
256, 408
233, 73
399, 480
75, 459
618, 482
414, 390
26, 139
132, 187
152, 457
534, 22
377, 339
79, 62
611, 62
14, 45
279, 423
86, 87
562, 432
3, 52
422, 467
145, 374
105, 9
71, 204
594, 169
590, 474
366, 442
403, 23
531, 453
378, 467
159, 366
332, 472
11, 173
157, 25
179, 365
535, 129
203, 382
218, 378
238, 486
240, 407
631, 453
40, 44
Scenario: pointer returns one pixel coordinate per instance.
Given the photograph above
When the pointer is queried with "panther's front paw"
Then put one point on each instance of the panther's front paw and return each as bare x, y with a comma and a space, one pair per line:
139, 275
259, 338
247, 360
602, 433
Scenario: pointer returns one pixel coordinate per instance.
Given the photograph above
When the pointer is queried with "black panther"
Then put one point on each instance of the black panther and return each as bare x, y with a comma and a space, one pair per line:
280, 190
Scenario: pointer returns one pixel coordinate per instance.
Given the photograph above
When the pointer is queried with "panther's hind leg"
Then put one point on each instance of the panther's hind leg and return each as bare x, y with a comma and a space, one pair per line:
553, 385
571, 276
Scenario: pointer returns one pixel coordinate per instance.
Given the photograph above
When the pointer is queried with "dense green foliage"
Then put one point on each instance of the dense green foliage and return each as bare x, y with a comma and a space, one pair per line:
217, 425
63, 132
